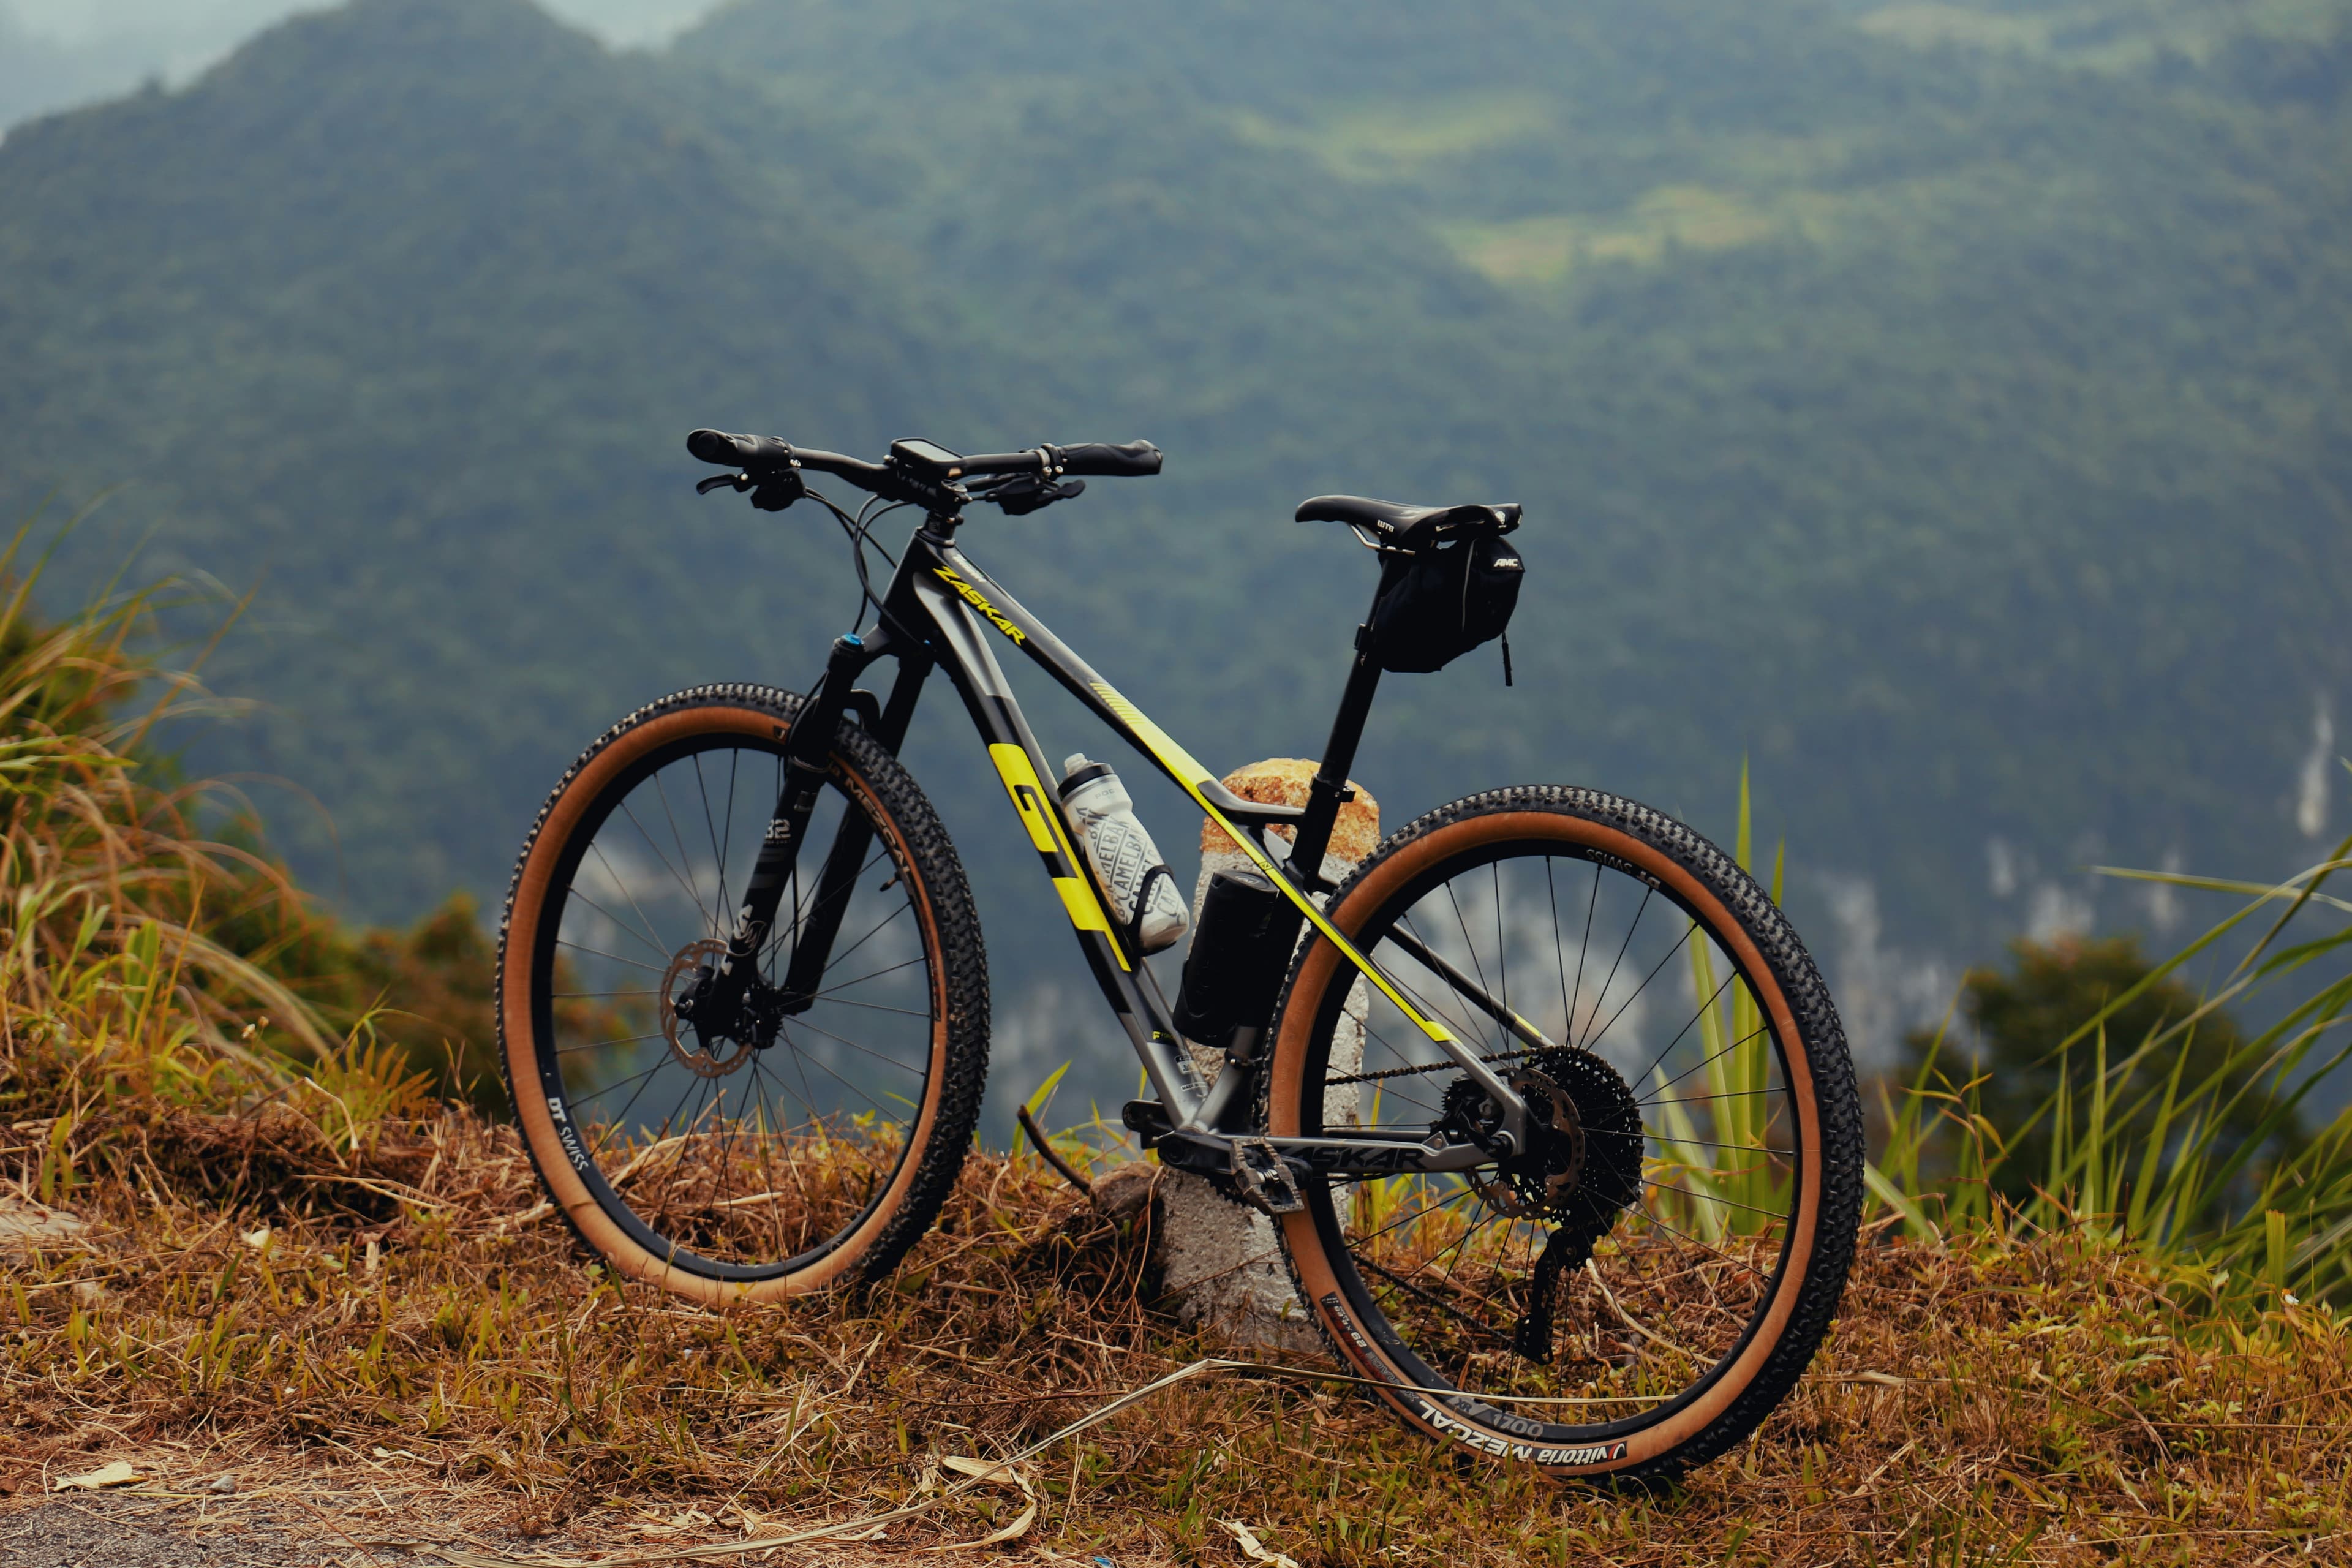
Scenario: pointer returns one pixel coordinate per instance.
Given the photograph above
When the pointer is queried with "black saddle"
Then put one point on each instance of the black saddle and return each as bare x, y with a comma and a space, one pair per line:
1402, 527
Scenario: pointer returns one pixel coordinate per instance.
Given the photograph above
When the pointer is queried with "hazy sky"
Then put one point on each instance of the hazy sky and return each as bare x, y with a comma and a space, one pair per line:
85, 49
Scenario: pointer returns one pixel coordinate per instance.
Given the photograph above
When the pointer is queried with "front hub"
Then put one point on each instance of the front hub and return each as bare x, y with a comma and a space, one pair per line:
705, 1034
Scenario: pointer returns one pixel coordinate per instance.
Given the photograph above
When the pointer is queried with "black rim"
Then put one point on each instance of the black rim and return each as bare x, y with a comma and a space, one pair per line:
1602, 961
740, 1163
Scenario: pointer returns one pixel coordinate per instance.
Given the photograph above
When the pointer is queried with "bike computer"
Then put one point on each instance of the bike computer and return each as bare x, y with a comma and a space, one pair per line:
926, 454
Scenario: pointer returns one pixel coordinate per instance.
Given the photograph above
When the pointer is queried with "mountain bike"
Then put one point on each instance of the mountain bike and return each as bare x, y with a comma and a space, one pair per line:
1549, 1107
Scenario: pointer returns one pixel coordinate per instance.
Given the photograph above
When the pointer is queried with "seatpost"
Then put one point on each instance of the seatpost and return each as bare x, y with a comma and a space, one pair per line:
1328, 791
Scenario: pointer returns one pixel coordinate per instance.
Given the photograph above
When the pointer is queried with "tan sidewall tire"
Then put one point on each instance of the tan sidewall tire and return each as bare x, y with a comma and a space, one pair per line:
541, 1133
1319, 1282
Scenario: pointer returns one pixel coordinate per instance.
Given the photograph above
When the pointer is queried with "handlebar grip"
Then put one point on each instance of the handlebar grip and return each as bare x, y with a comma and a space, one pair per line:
739, 451
1133, 460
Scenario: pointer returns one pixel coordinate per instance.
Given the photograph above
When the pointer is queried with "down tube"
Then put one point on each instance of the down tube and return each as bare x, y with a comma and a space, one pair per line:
1022, 769
1039, 643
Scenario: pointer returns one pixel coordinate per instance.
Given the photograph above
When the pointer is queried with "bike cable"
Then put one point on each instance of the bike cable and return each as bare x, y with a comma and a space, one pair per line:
860, 529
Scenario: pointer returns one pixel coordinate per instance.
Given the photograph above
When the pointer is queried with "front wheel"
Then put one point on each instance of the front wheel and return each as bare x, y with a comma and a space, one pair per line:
811, 1141
1635, 1292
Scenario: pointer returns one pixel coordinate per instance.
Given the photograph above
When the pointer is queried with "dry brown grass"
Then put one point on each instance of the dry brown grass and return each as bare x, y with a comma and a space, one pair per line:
296, 1266
482, 1387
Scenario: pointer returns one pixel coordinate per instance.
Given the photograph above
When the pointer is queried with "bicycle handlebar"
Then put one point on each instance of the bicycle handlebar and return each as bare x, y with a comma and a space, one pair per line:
1102, 459
755, 453
925, 473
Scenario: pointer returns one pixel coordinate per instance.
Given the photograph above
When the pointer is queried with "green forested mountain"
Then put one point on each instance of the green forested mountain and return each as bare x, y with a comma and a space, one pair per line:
1944, 405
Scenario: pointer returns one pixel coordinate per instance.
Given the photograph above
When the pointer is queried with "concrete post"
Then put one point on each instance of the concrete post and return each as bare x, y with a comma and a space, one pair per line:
1220, 1262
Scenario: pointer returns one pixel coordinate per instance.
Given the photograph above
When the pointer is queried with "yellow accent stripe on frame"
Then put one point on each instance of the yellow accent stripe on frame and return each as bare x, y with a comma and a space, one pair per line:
1186, 766
1045, 827
1085, 909
1192, 775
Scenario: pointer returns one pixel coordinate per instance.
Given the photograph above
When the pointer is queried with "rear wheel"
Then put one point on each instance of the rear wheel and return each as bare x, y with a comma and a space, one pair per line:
1633, 1294
805, 1146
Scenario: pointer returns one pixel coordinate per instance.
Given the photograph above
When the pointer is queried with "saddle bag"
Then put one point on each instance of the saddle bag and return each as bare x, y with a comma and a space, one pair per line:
1439, 602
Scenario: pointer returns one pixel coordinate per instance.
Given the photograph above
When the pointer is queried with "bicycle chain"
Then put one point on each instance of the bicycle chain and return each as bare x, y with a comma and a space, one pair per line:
1449, 1065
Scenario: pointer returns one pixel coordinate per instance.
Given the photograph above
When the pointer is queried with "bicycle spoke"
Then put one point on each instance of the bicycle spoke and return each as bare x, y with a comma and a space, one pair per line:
1629, 1001
652, 931
1591, 906
725, 910
661, 793
1758, 1033
870, 935
641, 1079
879, 1008
693, 899
1726, 1094
833, 990
1649, 1218
1447, 1307
621, 925
767, 1164
1681, 1141
1502, 943
1619, 961
892, 1061
599, 953
803, 911
1477, 970
593, 1045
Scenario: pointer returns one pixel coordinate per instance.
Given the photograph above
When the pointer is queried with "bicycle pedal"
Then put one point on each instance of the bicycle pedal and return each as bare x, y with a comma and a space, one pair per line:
1263, 1179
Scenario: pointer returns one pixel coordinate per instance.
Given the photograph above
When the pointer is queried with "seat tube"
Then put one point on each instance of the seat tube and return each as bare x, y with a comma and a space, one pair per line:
1328, 791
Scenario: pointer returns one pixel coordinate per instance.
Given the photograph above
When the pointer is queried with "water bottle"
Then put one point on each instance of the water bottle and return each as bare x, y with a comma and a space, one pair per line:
1144, 900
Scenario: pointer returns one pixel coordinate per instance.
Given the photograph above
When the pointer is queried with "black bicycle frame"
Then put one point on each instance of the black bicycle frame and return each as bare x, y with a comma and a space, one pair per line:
942, 610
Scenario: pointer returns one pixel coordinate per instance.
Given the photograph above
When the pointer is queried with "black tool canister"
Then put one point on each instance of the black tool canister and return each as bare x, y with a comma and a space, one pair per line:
1239, 954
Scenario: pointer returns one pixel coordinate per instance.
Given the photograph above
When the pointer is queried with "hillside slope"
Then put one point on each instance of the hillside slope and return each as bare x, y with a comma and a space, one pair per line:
383, 314
1958, 432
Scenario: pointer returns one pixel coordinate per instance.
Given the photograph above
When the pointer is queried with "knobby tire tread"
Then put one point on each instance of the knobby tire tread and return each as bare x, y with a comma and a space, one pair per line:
1837, 1094
962, 953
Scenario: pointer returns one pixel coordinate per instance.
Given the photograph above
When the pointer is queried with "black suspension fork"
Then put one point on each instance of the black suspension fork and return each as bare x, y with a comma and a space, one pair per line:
716, 1005
820, 921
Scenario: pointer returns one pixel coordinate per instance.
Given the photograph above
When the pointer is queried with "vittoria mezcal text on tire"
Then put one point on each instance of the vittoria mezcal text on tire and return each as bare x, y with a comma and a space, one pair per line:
1633, 1293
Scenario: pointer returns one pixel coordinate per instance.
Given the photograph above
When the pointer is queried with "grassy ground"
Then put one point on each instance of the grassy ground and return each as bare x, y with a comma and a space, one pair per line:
243, 1242
476, 1386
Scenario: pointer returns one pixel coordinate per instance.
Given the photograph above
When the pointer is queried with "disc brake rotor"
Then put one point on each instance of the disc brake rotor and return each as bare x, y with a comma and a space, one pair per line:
690, 969
1583, 1165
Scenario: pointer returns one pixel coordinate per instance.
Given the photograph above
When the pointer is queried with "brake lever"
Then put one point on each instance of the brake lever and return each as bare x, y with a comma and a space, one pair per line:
773, 490
1026, 493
